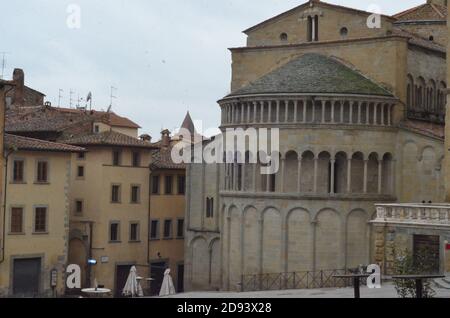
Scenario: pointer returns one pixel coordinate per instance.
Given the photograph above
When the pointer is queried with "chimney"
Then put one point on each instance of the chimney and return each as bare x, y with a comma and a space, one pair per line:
165, 138
19, 89
146, 138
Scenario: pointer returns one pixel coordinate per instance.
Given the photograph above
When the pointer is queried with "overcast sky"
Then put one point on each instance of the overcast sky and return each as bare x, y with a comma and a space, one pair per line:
164, 56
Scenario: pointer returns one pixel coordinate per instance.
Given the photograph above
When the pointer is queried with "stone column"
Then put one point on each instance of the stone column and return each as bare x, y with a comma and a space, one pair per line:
359, 112
323, 112
283, 173
296, 111
380, 177
255, 108
390, 115
313, 103
333, 121
235, 178
342, 111
350, 111
269, 117
316, 168
249, 113
286, 111
383, 119
268, 183
299, 179
255, 167
332, 189
305, 104
365, 175
277, 116
375, 114
349, 175
367, 113
243, 168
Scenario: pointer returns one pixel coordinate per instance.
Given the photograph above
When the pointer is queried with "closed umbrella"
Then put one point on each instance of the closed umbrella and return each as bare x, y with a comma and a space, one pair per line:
167, 287
132, 287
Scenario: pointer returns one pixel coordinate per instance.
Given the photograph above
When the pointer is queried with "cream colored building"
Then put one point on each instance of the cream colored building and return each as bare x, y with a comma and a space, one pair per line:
360, 112
37, 217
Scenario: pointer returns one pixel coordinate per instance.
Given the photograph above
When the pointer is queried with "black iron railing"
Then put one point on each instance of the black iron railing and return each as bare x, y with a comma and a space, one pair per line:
296, 280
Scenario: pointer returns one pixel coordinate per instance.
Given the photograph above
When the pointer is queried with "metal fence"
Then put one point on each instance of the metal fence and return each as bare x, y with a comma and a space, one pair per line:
296, 280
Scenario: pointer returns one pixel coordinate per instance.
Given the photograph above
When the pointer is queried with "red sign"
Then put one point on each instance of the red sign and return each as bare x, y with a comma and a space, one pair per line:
447, 247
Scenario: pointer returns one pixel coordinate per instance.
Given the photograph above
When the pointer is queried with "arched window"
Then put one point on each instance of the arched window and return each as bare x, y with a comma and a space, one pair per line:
410, 92
283, 37
313, 28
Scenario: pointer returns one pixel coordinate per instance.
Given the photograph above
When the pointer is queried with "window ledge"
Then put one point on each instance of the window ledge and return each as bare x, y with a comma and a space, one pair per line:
41, 233
17, 234
134, 242
41, 183
155, 239
17, 182
115, 242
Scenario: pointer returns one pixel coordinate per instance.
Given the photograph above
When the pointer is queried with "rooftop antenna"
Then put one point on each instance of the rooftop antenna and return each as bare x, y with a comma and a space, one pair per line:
78, 101
60, 97
89, 99
3, 64
113, 89
71, 99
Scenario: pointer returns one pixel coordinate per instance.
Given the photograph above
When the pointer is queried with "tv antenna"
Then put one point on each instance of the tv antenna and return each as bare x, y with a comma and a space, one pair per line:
60, 97
113, 90
3, 54
71, 99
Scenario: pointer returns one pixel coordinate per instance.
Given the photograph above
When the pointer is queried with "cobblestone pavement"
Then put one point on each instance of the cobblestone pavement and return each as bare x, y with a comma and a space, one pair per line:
387, 291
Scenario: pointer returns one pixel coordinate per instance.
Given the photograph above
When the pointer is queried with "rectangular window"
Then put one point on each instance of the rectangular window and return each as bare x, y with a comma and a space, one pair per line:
40, 220
155, 185
116, 158
167, 229
96, 129
78, 207
180, 228
42, 172
154, 230
168, 185
114, 232
80, 172
81, 156
181, 185
115, 194
135, 194
136, 159
134, 232
18, 168
16, 220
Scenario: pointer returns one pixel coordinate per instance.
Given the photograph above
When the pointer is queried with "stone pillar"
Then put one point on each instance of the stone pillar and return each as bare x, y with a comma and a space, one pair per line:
242, 113
333, 121
277, 116
365, 175
349, 175
350, 111
299, 180
255, 167
316, 168
305, 104
383, 119
249, 113
268, 183
390, 115
323, 112
380, 176
296, 111
243, 168
332, 189
286, 111
283, 173
375, 114
269, 116
255, 109
235, 177
359, 113
313, 103
342, 111
367, 113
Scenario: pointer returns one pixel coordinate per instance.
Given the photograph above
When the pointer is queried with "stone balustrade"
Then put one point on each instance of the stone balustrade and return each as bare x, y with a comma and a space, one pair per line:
423, 214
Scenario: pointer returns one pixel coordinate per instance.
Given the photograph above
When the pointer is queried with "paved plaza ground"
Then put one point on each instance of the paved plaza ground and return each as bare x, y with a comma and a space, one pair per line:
387, 291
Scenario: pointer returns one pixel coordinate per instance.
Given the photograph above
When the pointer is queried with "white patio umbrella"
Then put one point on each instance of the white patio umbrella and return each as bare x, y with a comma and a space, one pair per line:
167, 287
132, 287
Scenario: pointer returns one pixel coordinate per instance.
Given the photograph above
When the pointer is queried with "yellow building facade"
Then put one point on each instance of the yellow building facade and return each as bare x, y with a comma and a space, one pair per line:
37, 217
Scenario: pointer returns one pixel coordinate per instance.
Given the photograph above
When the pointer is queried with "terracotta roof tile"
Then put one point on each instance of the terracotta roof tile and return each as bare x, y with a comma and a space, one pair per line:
108, 138
25, 143
418, 40
162, 159
424, 12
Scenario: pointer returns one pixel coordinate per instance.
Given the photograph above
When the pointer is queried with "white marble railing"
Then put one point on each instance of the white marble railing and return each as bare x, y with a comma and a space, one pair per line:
425, 214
